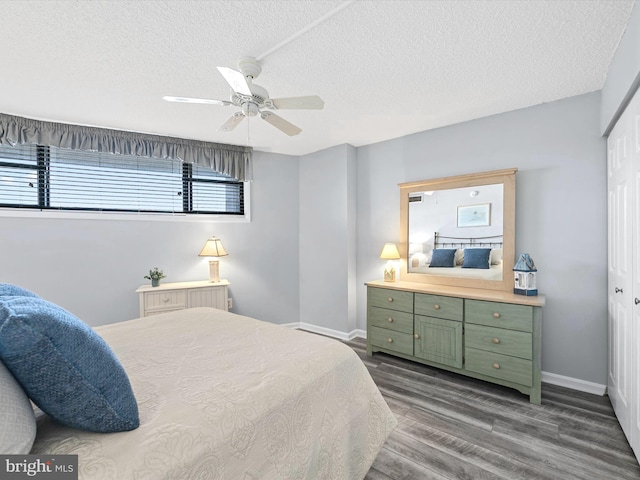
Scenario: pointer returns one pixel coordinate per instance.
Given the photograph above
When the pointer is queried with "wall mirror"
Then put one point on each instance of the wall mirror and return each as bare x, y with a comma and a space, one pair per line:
459, 231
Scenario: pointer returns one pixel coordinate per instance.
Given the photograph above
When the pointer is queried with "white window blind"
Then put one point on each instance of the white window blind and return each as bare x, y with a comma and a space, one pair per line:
45, 177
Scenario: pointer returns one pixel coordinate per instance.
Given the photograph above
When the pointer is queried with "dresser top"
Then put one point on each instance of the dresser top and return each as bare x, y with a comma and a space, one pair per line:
182, 285
464, 292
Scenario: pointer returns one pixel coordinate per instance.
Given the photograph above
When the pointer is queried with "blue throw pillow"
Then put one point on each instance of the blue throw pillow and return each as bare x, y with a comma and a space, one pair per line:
443, 257
9, 290
476, 258
65, 367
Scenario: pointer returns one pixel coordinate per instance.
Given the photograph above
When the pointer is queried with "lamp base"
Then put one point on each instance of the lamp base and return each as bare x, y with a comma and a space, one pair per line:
390, 273
214, 271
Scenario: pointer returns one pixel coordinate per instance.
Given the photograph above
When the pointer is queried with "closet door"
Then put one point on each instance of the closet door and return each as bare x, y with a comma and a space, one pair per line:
623, 188
634, 121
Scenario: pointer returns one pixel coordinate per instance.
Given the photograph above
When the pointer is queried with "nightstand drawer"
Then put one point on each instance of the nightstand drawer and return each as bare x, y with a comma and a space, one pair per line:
439, 306
501, 315
495, 365
499, 340
391, 299
391, 340
164, 301
391, 319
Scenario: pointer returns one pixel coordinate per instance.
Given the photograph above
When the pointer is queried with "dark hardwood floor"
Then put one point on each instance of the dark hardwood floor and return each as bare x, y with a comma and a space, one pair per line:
454, 427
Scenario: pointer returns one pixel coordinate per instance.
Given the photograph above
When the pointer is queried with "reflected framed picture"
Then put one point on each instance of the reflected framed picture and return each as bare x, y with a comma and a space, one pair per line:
474, 215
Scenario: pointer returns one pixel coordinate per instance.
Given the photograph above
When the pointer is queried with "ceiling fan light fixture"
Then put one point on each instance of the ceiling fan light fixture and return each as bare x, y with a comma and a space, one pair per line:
250, 109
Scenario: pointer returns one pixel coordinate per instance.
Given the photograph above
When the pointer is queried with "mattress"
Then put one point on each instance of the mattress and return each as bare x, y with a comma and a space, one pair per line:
224, 396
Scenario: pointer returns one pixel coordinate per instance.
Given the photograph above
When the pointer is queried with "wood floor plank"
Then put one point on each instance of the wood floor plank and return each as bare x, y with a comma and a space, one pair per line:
451, 427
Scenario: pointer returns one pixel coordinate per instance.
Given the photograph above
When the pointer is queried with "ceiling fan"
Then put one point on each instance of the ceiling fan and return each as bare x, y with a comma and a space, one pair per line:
254, 99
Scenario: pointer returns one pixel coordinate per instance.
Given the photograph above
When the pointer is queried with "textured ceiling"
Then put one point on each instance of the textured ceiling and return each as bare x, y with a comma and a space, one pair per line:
384, 68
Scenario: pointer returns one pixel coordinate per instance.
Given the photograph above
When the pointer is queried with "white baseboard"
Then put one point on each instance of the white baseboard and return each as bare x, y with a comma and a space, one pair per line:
326, 331
573, 383
547, 377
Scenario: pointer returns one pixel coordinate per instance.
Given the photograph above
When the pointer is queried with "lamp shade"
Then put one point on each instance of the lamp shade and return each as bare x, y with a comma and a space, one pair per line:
213, 248
390, 252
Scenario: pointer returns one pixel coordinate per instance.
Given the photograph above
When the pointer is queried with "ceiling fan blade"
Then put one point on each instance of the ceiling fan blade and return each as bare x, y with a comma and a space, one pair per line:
206, 101
196, 100
312, 102
232, 122
236, 80
280, 123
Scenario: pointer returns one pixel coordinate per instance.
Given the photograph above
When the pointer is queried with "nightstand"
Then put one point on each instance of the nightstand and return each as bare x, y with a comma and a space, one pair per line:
169, 297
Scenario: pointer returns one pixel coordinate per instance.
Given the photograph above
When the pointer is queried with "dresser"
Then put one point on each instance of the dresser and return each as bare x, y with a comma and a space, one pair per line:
490, 335
168, 297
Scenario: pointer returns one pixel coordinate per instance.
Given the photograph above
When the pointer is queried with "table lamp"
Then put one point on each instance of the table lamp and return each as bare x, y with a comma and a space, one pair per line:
390, 253
213, 248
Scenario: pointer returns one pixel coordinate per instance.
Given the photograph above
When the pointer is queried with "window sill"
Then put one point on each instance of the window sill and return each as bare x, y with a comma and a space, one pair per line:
134, 216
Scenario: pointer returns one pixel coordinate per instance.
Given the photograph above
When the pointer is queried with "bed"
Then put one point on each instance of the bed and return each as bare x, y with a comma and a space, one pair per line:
421, 257
225, 396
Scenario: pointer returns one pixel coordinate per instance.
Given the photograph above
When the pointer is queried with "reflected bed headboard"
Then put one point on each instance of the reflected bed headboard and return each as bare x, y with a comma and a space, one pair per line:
442, 241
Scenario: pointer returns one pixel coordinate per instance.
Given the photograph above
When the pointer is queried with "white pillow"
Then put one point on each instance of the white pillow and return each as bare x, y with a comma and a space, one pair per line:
17, 420
496, 256
459, 257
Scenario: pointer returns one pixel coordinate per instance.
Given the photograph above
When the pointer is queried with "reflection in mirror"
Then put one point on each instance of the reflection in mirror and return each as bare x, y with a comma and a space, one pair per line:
457, 219
459, 231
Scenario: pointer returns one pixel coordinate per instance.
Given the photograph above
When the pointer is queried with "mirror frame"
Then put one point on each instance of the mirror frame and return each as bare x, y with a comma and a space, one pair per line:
507, 178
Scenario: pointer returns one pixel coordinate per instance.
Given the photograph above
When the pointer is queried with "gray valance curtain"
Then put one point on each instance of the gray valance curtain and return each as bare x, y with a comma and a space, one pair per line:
231, 160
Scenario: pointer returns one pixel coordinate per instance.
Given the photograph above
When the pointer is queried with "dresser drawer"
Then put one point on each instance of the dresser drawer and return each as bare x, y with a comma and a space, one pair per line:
391, 319
502, 315
439, 306
164, 301
391, 299
391, 340
496, 365
499, 340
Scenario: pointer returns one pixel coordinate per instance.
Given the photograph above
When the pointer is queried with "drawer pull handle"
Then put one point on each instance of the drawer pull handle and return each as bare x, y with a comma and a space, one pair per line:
389, 319
390, 299
436, 307
390, 340
496, 315
165, 299
496, 366
496, 341
416, 336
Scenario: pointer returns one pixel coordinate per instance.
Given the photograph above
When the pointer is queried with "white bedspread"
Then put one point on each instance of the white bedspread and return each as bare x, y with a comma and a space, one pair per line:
222, 396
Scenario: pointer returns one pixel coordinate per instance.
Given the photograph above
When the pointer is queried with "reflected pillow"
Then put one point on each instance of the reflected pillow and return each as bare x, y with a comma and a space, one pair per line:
496, 256
476, 258
9, 290
66, 368
443, 257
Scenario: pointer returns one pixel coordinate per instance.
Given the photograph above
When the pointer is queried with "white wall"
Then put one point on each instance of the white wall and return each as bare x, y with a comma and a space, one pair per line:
560, 212
623, 77
93, 267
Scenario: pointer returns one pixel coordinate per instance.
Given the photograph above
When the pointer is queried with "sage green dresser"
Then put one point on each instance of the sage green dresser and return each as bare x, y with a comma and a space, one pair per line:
490, 335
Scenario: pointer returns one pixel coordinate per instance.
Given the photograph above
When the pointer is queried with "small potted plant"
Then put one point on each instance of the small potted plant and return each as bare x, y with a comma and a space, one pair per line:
155, 275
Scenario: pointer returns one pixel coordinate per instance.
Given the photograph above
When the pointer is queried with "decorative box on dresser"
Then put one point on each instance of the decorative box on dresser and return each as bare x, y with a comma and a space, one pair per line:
487, 334
168, 297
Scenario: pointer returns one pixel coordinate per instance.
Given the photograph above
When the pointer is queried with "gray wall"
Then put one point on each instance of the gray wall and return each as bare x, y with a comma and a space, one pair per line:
328, 238
623, 76
93, 267
561, 212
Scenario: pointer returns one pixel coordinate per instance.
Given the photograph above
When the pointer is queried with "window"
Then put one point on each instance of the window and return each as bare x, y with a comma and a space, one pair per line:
44, 177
